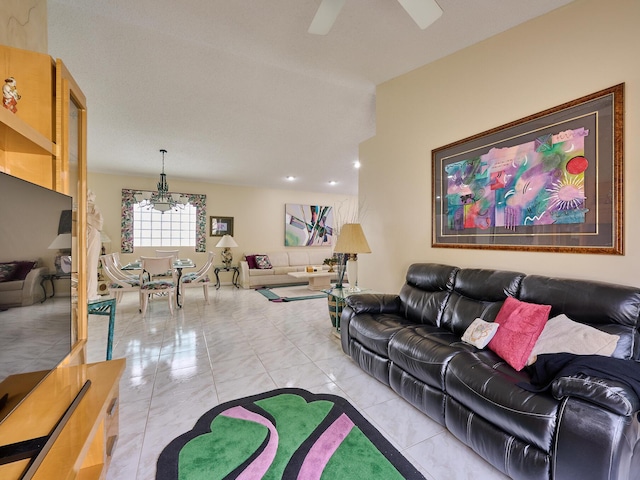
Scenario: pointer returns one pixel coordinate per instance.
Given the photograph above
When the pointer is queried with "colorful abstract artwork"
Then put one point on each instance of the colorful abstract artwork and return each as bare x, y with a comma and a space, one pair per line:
308, 225
549, 182
540, 182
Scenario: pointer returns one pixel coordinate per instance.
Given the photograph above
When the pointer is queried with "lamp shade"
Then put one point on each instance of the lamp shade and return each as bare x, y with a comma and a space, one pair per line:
227, 241
352, 240
61, 242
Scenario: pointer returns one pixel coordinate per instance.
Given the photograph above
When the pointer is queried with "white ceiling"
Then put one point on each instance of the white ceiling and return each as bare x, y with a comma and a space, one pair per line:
238, 92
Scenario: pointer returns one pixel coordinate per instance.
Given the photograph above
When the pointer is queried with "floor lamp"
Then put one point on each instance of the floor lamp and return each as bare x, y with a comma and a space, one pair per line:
352, 241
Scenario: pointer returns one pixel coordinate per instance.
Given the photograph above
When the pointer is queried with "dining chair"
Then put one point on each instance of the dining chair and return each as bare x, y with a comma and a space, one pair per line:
119, 282
198, 279
168, 253
154, 282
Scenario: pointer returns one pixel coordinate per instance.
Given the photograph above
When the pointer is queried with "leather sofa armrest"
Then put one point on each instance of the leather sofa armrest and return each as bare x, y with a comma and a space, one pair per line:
614, 396
374, 303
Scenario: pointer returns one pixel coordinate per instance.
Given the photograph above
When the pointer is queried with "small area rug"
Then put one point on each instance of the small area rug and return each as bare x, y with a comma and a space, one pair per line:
283, 434
289, 293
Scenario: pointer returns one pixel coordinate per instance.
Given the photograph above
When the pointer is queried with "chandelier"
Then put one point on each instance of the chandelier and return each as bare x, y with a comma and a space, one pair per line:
161, 200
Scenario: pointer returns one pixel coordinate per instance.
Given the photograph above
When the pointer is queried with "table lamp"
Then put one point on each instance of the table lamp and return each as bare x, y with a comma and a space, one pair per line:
63, 244
226, 242
352, 241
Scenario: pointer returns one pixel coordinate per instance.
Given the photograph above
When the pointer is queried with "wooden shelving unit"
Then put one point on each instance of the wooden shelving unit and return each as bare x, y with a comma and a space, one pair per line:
18, 136
35, 146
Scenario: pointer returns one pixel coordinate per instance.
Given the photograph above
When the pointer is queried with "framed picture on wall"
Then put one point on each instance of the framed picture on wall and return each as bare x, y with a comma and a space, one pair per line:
221, 226
308, 225
551, 182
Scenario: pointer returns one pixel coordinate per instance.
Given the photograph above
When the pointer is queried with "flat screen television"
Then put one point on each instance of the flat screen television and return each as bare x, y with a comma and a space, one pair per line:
34, 339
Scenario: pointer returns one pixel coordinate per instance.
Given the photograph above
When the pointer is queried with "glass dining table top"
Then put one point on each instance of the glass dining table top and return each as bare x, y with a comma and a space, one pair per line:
179, 264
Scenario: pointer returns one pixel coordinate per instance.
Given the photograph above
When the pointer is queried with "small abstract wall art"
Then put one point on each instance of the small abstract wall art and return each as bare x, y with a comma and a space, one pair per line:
551, 181
308, 225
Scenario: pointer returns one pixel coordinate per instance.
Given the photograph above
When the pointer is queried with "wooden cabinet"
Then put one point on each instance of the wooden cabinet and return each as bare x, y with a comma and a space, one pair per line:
44, 142
84, 447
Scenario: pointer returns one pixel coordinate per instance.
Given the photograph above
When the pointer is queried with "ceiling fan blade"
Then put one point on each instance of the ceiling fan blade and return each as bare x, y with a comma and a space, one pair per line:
423, 12
325, 16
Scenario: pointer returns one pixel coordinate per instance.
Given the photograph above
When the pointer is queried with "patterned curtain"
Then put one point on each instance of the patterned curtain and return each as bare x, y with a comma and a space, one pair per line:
128, 201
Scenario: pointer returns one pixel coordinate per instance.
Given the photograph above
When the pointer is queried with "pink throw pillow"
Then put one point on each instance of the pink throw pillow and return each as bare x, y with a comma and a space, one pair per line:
520, 326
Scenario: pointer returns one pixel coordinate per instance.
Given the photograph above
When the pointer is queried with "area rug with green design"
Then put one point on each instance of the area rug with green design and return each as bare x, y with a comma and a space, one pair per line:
283, 434
289, 293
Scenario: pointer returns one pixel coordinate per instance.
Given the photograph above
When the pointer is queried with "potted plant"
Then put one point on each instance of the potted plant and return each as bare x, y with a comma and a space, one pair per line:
331, 262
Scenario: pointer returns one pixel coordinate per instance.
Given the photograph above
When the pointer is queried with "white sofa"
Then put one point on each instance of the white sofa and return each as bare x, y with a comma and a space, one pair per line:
22, 293
283, 262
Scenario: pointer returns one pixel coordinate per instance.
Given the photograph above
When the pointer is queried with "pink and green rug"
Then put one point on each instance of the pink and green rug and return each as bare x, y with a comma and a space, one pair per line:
283, 434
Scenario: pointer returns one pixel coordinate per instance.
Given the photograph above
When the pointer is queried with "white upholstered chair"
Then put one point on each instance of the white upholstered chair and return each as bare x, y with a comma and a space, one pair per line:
198, 279
153, 280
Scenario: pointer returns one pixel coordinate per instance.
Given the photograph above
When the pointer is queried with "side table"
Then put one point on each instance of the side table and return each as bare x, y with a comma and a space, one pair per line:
106, 307
50, 277
223, 268
336, 298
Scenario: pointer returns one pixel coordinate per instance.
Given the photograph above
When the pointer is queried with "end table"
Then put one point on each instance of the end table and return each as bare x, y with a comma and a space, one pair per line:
223, 268
106, 307
336, 298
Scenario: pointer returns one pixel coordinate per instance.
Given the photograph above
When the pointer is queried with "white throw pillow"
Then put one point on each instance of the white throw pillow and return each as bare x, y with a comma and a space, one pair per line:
563, 335
480, 333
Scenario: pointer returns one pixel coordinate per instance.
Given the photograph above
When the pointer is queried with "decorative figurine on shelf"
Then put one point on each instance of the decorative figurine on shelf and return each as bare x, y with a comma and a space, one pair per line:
10, 95
94, 226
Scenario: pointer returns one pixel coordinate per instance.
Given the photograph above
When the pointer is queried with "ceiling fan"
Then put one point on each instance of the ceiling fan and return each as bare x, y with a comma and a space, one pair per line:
423, 12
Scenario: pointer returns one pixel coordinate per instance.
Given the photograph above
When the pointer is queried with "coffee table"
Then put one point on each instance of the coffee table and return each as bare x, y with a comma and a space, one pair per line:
317, 280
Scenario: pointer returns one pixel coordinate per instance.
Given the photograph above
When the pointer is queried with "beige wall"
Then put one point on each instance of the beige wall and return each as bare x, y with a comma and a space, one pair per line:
258, 213
582, 48
23, 24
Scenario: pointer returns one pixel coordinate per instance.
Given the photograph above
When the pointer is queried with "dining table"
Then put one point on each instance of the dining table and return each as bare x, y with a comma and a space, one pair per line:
178, 265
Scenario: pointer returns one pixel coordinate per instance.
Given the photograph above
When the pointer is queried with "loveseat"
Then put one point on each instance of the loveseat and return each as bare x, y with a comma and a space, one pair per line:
280, 264
579, 426
20, 283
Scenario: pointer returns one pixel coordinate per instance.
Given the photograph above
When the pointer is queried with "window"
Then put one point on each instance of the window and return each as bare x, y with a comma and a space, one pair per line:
173, 228
197, 202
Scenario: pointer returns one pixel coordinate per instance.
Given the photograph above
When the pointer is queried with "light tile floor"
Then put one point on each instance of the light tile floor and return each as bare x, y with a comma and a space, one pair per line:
241, 344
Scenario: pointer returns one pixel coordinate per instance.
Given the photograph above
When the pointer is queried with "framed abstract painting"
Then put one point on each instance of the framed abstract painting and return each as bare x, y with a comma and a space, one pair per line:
552, 181
308, 225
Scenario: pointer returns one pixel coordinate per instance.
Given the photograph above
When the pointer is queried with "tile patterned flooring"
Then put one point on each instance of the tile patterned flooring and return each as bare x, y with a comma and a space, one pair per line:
241, 344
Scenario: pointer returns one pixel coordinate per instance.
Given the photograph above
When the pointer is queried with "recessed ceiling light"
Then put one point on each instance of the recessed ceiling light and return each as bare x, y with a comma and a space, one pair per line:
356, 164
291, 178
333, 182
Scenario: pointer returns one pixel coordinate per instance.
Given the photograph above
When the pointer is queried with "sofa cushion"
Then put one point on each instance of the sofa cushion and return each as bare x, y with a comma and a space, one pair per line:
520, 326
488, 386
317, 257
298, 257
263, 262
478, 293
11, 285
279, 259
257, 272
424, 351
426, 292
7, 271
375, 331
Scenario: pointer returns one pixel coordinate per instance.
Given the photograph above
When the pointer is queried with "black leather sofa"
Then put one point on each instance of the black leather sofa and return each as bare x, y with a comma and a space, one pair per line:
582, 428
